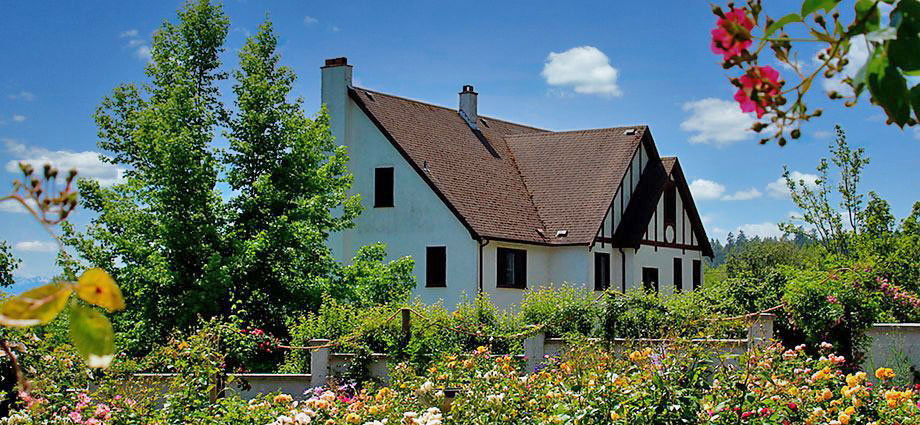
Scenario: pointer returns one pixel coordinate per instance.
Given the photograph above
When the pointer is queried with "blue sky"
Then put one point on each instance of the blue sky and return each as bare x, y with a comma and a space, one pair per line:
632, 63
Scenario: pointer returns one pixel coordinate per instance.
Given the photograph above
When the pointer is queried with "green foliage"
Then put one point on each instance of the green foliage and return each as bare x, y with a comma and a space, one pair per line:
8, 264
369, 281
562, 310
836, 307
641, 314
290, 176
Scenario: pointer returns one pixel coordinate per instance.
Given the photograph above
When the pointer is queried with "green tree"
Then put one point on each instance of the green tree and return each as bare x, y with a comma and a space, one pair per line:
823, 220
289, 176
179, 248
8, 264
160, 230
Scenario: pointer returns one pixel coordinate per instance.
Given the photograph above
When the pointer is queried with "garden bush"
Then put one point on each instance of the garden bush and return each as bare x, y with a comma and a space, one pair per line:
562, 310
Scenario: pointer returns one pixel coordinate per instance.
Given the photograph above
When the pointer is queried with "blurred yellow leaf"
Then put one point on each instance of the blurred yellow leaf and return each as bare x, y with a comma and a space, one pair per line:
36, 306
95, 286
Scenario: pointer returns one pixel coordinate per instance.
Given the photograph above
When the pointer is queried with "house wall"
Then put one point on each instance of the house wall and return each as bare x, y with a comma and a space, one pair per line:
546, 266
417, 220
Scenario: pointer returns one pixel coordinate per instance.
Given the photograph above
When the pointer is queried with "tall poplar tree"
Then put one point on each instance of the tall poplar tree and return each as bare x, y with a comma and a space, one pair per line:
290, 176
160, 230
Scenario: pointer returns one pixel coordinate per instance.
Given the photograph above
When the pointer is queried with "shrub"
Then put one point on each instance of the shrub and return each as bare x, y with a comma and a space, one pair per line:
561, 310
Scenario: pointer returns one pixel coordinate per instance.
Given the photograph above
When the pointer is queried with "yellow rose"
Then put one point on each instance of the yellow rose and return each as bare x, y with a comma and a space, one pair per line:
884, 373
352, 418
614, 416
844, 419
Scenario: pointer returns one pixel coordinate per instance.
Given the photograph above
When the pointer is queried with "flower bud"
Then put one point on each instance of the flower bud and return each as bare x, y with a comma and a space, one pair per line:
795, 134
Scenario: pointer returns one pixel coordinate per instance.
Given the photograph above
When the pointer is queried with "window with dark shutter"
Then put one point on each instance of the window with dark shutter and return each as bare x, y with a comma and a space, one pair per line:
678, 275
383, 187
512, 268
670, 204
436, 266
650, 279
697, 274
601, 271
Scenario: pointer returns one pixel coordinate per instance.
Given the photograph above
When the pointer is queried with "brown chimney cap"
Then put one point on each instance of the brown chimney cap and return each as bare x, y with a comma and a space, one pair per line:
337, 61
468, 89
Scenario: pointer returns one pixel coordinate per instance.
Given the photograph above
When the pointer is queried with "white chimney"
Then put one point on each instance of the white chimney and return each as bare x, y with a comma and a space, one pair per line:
468, 106
336, 82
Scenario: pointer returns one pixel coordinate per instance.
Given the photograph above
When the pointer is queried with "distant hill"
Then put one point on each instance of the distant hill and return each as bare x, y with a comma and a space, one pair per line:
25, 283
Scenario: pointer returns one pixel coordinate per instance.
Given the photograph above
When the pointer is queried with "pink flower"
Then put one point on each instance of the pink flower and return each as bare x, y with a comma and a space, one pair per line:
76, 417
732, 34
832, 299
758, 88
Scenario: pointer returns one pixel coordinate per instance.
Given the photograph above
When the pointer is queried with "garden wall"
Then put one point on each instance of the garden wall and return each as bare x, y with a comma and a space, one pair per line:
894, 345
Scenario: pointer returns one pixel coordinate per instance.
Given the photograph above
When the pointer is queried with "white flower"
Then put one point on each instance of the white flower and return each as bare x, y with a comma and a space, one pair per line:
302, 418
495, 399
426, 388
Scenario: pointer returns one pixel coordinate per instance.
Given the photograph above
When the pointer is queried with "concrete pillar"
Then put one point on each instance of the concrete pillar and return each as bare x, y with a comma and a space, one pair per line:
760, 329
534, 350
319, 362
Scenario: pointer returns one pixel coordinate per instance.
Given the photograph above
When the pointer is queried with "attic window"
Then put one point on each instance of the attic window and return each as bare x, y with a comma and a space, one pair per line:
562, 233
630, 131
370, 96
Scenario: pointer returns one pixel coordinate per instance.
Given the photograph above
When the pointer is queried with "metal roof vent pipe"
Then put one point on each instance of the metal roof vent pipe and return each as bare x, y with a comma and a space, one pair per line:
468, 106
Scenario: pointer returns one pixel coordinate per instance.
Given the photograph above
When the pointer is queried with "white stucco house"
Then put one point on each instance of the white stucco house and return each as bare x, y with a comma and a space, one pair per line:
485, 205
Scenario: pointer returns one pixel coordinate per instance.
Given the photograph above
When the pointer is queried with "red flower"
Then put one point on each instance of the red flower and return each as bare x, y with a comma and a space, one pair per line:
793, 406
732, 34
758, 88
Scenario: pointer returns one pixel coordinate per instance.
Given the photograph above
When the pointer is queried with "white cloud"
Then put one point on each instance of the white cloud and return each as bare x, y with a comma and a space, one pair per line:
335, 28
22, 95
857, 56
743, 195
764, 230
716, 121
143, 52
137, 44
778, 189
309, 20
36, 246
821, 134
19, 118
87, 163
11, 206
585, 69
703, 189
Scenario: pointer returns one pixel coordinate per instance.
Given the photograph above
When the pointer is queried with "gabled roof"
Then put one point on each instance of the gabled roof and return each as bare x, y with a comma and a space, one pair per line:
509, 181
645, 200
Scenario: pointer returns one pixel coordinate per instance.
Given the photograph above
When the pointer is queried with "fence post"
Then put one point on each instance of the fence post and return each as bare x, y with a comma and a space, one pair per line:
319, 362
760, 330
406, 326
534, 350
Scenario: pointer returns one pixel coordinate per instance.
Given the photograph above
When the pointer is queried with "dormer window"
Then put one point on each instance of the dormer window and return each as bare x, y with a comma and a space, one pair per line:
383, 187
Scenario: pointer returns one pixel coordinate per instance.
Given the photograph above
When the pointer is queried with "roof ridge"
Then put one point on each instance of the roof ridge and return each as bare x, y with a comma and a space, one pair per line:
448, 108
641, 127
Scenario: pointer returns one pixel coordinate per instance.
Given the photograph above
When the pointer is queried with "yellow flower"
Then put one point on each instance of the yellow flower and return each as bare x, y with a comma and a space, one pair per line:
614, 416
827, 394
282, 399
844, 419
481, 349
352, 418
884, 373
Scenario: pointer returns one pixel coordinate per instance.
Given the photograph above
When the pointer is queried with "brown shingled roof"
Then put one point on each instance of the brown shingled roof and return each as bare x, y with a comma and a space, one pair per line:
510, 182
